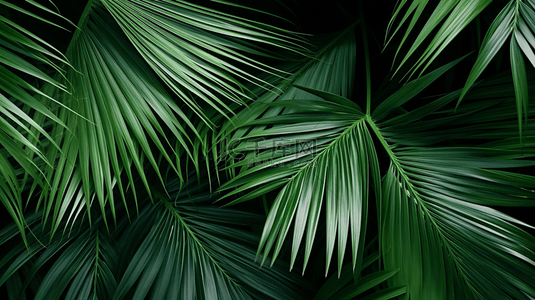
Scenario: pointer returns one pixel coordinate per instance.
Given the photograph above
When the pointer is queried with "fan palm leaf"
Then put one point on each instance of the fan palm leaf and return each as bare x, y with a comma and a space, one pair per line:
192, 48
296, 157
514, 22
127, 108
175, 248
342, 155
438, 199
430, 196
129, 112
406, 188
24, 108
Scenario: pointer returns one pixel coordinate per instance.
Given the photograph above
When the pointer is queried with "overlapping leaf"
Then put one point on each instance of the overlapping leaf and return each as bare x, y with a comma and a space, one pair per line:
454, 16
490, 117
86, 270
437, 224
128, 112
23, 108
182, 248
332, 71
515, 21
196, 50
435, 228
315, 149
439, 236
349, 285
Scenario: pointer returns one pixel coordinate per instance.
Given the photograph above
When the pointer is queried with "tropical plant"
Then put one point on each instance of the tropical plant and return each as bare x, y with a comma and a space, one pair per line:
174, 150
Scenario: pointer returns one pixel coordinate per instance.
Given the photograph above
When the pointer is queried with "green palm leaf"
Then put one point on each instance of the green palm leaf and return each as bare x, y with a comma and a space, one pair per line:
182, 248
23, 108
337, 167
435, 214
127, 110
215, 260
150, 90
192, 48
298, 149
429, 203
454, 16
514, 22
87, 268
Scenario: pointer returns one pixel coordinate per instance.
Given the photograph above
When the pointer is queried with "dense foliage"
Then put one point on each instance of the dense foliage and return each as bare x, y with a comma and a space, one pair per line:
166, 149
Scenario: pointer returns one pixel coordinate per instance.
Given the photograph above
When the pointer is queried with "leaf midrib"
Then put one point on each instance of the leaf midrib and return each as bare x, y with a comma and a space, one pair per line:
421, 202
174, 212
327, 149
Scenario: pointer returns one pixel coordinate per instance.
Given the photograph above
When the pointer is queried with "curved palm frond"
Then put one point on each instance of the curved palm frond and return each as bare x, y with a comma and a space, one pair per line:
87, 267
428, 199
22, 261
146, 97
128, 111
490, 115
340, 161
193, 48
184, 256
332, 71
298, 148
24, 108
437, 226
515, 21
337, 165
430, 186
174, 248
459, 14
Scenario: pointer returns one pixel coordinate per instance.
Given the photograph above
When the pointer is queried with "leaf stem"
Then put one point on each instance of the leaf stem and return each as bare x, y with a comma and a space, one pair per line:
366, 60
81, 23
421, 202
174, 213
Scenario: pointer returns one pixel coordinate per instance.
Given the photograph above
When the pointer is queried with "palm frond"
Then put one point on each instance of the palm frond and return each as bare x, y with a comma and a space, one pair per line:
515, 21
191, 259
22, 106
95, 145
128, 111
176, 248
431, 225
298, 148
193, 48
454, 16
87, 268
25, 257
435, 210
216, 260
332, 70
